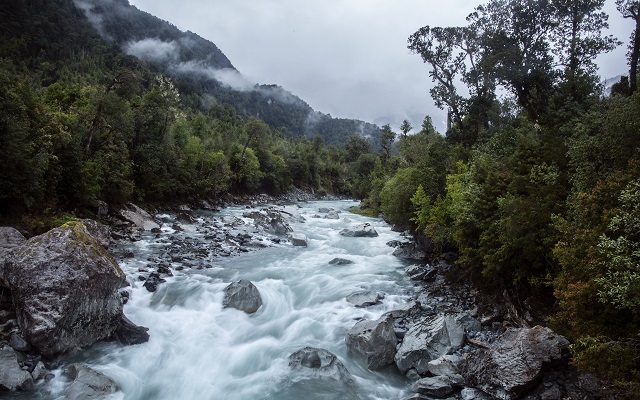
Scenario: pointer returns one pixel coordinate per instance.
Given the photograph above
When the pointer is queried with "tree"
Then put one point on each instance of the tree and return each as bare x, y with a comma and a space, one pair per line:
405, 128
355, 146
386, 141
631, 9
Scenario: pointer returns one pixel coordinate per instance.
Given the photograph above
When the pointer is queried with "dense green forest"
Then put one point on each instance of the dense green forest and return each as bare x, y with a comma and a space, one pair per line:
535, 185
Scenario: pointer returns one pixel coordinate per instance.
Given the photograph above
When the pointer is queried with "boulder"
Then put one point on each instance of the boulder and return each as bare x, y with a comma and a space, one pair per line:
185, 217
10, 238
427, 340
88, 383
364, 230
437, 386
65, 289
365, 298
129, 333
375, 341
333, 214
99, 231
39, 371
410, 251
298, 239
279, 226
138, 217
340, 261
320, 364
513, 364
473, 394
242, 295
12, 377
152, 282
447, 365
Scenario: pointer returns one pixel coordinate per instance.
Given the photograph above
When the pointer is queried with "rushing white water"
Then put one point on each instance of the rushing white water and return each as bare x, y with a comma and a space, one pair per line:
199, 350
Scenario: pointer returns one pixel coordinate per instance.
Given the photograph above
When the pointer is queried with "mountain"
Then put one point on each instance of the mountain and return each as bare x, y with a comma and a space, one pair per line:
202, 71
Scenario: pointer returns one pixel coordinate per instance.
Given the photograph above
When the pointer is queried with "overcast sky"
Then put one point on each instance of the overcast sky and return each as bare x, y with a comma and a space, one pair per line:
347, 58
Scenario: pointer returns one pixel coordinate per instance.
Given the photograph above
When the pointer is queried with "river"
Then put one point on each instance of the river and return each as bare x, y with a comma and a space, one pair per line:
200, 350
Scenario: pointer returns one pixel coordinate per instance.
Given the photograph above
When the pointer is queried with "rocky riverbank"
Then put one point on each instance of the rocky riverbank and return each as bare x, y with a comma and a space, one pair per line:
63, 291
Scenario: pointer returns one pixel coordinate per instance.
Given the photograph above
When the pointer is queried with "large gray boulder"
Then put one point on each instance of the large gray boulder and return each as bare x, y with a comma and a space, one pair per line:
138, 217
320, 364
298, 239
10, 238
428, 340
375, 341
12, 377
242, 295
65, 289
437, 386
88, 383
364, 230
514, 362
99, 231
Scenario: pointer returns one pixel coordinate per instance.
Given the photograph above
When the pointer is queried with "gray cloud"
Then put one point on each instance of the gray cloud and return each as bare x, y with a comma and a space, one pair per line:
347, 58
151, 49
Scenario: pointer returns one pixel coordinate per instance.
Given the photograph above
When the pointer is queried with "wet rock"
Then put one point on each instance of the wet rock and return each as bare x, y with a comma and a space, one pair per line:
427, 340
138, 217
410, 251
298, 239
421, 272
514, 363
18, 343
364, 230
375, 341
185, 217
333, 214
474, 394
242, 295
152, 282
39, 372
320, 364
65, 288
12, 377
437, 386
88, 383
447, 365
129, 333
365, 298
340, 261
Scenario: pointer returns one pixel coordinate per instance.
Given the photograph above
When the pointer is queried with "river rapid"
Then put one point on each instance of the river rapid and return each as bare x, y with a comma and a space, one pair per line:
200, 350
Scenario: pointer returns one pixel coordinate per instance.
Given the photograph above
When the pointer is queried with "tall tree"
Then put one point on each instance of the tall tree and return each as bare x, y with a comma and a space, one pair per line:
387, 138
631, 9
405, 128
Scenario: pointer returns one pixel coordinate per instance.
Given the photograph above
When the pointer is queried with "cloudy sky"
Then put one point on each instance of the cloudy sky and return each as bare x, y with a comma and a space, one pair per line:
347, 58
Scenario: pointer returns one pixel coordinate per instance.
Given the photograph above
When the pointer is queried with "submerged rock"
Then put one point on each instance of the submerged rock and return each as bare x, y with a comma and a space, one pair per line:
364, 230
88, 383
298, 239
314, 363
365, 298
375, 341
129, 333
340, 261
242, 295
513, 365
12, 377
65, 289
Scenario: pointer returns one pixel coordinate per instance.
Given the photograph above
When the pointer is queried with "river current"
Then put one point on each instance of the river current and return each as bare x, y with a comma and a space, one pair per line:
200, 350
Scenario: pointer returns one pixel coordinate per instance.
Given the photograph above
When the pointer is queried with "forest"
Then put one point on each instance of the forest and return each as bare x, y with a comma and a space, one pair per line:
535, 185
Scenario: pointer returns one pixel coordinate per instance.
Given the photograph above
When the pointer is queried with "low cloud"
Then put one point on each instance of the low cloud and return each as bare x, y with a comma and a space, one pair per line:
227, 76
154, 50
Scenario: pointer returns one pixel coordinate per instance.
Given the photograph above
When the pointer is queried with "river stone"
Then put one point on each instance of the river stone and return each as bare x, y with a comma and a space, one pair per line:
138, 217
129, 333
340, 261
513, 365
65, 290
298, 239
39, 371
242, 295
12, 377
410, 251
375, 341
427, 340
314, 363
364, 230
446, 365
474, 394
437, 386
88, 383
365, 298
